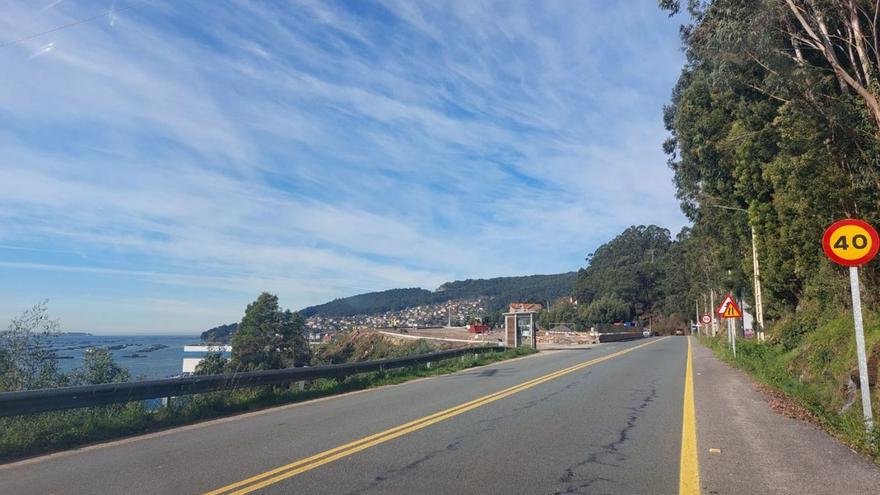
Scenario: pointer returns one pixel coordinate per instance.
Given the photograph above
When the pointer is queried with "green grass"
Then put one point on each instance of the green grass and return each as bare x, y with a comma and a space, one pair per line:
814, 375
24, 436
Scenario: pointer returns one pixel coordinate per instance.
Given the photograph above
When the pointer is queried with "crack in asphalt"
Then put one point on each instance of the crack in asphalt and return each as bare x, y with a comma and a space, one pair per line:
608, 454
394, 473
486, 425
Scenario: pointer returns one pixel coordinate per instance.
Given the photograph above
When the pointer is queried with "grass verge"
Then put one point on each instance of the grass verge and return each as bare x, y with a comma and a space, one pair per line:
30, 435
807, 381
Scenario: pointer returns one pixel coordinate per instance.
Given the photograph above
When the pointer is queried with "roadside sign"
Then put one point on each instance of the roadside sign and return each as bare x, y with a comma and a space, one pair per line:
728, 308
850, 242
706, 319
853, 243
730, 311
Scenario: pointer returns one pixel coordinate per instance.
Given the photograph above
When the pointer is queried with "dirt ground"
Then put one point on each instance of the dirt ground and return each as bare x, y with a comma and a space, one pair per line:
452, 333
545, 338
565, 338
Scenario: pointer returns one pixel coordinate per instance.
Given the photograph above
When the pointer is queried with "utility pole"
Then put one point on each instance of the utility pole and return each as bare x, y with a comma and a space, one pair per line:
712, 313
759, 299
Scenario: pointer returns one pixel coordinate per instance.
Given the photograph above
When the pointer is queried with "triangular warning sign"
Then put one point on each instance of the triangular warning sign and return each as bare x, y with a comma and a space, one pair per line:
728, 308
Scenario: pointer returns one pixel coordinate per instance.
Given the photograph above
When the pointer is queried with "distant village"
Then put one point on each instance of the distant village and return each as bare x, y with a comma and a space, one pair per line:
454, 313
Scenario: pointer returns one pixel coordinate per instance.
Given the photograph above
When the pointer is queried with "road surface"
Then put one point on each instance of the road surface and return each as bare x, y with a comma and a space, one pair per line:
609, 419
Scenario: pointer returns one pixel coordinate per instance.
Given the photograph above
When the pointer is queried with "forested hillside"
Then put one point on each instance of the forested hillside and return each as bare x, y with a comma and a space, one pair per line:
220, 333
500, 290
641, 274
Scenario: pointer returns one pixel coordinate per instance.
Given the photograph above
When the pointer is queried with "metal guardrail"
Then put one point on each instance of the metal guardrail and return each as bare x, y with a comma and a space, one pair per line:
55, 399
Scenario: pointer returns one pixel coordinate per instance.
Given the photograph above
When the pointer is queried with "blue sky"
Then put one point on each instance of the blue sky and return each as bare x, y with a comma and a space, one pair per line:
162, 165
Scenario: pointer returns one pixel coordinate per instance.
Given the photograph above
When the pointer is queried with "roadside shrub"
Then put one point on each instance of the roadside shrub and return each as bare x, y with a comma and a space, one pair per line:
791, 333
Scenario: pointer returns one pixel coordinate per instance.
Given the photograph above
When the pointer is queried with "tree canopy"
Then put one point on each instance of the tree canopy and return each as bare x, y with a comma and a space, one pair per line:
774, 126
626, 273
269, 337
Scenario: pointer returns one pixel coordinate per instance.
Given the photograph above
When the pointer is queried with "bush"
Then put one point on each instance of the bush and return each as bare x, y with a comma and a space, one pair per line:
98, 367
26, 360
213, 364
606, 309
791, 333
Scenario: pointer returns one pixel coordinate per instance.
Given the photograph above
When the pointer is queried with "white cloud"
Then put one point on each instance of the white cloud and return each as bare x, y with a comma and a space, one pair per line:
317, 153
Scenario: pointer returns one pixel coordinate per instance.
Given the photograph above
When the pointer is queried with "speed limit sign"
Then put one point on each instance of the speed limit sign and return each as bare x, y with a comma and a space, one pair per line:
850, 242
853, 243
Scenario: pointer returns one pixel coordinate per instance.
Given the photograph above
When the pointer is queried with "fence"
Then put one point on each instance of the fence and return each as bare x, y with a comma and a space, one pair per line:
55, 399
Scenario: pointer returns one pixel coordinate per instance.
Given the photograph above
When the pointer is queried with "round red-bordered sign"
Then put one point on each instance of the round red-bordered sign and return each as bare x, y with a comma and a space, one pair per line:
844, 242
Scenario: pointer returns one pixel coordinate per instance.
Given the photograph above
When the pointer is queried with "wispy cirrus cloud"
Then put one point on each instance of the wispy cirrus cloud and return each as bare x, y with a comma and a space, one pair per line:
204, 151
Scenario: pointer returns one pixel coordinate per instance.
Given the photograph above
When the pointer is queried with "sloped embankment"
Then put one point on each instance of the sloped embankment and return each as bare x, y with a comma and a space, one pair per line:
818, 370
361, 345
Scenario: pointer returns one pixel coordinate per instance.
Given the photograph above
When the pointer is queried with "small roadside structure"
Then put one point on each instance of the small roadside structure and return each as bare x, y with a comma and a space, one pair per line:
519, 325
195, 354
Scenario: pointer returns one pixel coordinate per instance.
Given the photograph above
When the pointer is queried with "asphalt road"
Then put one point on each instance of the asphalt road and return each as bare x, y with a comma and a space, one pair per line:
600, 420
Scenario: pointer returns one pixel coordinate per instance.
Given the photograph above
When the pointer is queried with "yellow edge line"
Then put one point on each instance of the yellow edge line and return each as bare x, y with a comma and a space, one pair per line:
689, 474
283, 472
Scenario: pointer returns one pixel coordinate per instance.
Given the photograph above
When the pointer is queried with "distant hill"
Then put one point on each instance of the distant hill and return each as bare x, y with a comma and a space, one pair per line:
219, 334
371, 302
500, 291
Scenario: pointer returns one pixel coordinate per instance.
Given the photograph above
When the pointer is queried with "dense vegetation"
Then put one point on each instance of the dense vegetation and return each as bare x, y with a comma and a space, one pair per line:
631, 268
500, 291
777, 114
638, 275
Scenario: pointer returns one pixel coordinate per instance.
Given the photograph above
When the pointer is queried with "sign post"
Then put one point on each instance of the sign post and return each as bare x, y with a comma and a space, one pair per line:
730, 312
853, 243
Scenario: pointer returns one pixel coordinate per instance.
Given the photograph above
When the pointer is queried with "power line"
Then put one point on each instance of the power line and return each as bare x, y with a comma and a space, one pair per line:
73, 23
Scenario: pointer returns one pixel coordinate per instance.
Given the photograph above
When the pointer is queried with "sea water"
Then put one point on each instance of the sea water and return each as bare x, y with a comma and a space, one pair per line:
160, 363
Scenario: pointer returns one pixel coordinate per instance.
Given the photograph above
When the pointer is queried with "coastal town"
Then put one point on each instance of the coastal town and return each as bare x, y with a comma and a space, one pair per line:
450, 313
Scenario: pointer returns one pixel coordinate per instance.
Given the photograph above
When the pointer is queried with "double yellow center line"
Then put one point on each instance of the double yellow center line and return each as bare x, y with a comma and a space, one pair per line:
289, 470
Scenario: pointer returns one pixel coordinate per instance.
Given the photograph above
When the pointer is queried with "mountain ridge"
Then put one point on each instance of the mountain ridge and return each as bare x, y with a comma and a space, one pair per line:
499, 291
